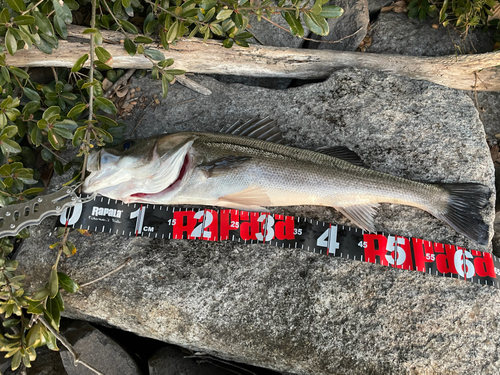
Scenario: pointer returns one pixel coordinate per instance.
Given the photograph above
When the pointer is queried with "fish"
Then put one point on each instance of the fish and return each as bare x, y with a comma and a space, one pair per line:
250, 167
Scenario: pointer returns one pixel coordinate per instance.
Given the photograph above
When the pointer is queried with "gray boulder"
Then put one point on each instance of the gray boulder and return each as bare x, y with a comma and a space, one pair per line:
346, 31
172, 361
395, 33
290, 310
98, 350
374, 6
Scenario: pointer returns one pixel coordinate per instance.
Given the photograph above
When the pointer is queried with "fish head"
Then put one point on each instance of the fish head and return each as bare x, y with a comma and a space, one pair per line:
141, 171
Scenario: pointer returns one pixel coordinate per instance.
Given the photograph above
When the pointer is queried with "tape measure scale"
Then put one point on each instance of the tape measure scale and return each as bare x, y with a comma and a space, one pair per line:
170, 222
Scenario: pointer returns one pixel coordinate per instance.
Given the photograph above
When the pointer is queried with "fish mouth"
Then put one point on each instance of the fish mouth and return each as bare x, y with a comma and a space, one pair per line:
136, 181
172, 187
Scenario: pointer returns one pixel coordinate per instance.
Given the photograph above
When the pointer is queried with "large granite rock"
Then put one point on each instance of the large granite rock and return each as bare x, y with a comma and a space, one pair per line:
395, 33
287, 309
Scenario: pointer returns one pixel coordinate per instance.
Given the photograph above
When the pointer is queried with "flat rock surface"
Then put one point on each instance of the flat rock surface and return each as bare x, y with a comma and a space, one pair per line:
290, 310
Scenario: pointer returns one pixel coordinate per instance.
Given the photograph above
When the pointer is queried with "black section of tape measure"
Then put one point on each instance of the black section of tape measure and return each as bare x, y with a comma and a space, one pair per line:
169, 222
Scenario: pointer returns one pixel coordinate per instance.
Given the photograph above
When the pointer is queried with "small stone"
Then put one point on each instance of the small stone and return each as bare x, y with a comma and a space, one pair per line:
98, 350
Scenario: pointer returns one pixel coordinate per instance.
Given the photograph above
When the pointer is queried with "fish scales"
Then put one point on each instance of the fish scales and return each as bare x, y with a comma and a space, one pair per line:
237, 171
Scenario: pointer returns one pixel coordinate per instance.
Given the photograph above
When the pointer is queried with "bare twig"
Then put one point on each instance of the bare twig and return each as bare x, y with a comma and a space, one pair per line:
190, 84
108, 274
123, 79
62, 339
54, 72
53, 153
143, 114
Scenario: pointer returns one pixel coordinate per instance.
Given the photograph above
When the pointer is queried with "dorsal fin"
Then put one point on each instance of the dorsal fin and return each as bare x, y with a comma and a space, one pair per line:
342, 152
264, 129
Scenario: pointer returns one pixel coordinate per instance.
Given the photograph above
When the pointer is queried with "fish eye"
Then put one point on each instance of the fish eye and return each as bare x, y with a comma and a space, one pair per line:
127, 144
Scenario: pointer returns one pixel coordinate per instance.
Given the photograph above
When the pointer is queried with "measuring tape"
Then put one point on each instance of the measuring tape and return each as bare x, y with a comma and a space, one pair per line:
289, 232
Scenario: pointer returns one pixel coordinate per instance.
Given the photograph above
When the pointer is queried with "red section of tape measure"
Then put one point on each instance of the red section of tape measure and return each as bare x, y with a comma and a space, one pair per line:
168, 222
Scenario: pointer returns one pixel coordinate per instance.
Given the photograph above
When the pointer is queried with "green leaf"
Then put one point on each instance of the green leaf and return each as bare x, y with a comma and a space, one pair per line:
43, 23
442, 12
106, 137
332, 11
60, 27
33, 334
62, 11
90, 31
10, 42
164, 86
106, 120
16, 361
5, 73
127, 26
172, 32
216, 28
165, 63
36, 136
126, 3
130, 47
223, 14
24, 20
316, 24
33, 191
103, 55
105, 105
51, 114
9, 146
19, 72
11, 322
76, 110
31, 94
8, 131
154, 54
227, 43
294, 24
65, 133
55, 139
143, 39
4, 16
175, 72
17, 5
53, 283
79, 63
67, 283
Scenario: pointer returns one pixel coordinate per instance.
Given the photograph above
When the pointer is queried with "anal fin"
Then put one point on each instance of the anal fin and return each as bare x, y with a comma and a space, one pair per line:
252, 198
361, 214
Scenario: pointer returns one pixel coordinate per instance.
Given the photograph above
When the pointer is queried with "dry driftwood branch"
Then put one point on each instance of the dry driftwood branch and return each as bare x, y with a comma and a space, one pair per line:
466, 72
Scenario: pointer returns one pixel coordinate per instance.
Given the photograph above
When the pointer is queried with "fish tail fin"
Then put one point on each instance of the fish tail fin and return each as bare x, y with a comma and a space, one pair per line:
463, 212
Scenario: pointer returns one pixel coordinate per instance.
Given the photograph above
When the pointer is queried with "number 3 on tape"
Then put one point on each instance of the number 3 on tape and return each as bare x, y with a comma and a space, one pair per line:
170, 222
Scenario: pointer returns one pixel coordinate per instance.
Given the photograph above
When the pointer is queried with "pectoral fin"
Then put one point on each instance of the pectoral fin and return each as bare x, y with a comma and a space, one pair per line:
217, 167
252, 198
362, 215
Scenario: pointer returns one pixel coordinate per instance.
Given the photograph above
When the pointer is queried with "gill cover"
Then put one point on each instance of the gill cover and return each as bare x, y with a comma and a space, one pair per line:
148, 167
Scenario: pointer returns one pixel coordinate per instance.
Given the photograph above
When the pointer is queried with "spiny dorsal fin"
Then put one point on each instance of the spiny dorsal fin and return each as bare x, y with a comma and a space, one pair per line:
362, 215
342, 152
264, 129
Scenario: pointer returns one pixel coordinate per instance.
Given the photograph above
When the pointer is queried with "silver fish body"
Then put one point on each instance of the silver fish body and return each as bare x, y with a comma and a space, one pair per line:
234, 171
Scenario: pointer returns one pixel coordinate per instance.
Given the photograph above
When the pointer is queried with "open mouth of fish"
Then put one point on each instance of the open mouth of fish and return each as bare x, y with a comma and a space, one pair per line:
137, 179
